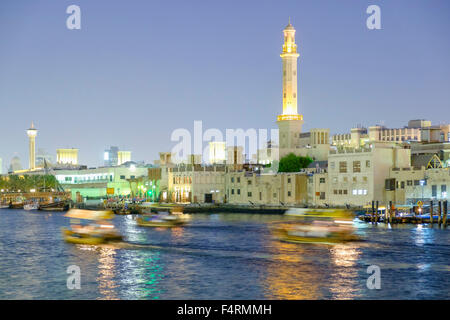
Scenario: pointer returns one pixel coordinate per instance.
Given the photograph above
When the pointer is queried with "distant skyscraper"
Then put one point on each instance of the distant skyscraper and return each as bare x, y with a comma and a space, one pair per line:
111, 156
32, 133
15, 164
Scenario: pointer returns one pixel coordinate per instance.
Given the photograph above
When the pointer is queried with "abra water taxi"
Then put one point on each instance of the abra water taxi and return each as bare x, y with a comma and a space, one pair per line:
162, 219
99, 231
323, 226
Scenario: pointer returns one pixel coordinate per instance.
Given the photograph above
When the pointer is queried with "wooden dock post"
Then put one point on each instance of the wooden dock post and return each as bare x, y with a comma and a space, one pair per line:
431, 213
439, 213
376, 213
373, 211
390, 211
444, 222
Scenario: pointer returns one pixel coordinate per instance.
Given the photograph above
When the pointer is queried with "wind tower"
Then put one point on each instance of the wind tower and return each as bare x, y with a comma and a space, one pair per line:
289, 122
32, 133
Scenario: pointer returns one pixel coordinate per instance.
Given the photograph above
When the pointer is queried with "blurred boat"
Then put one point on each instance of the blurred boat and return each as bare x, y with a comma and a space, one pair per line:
55, 206
325, 226
97, 232
16, 205
163, 219
31, 206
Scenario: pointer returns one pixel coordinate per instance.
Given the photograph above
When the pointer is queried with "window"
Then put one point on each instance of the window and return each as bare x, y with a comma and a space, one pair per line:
238, 191
356, 166
443, 189
332, 165
367, 163
416, 182
365, 179
322, 180
249, 194
274, 195
335, 179
132, 177
122, 177
403, 184
343, 166
249, 182
232, 191
260, 196
354, 179
345, 179
340, 191
289, 180
334, 191
409, 183
434, 190
322, 196
232, 179
355, 192
238, 180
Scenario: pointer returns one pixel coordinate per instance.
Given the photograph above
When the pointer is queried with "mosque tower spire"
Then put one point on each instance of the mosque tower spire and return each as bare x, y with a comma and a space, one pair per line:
289, 122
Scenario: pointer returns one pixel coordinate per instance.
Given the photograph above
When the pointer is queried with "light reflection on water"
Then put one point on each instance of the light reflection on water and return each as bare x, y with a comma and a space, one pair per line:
219, 257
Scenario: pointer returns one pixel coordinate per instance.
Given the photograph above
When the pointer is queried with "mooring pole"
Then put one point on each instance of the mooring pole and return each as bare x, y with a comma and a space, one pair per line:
445, 214
373, 211
431, 213
440, 213
376, 213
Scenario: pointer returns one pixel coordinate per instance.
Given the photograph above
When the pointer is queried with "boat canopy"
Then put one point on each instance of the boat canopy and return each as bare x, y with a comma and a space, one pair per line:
331, 213
89, 214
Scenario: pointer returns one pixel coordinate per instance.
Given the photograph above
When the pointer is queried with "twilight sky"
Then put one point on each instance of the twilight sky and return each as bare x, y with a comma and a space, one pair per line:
138, 69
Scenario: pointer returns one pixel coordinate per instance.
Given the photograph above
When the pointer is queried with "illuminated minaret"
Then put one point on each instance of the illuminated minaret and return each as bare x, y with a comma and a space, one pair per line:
289, 122
32, 133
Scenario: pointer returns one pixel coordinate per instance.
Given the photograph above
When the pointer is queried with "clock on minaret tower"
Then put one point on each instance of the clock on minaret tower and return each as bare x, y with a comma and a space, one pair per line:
289, 122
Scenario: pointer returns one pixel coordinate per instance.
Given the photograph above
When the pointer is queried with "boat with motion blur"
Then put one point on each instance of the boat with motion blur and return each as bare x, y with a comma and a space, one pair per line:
31, 206
322, 226
55, 206
166, 219
98, 231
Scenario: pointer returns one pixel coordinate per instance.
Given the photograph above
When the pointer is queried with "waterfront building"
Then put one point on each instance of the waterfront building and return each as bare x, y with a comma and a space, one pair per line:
269, 154
235, 157
436, 134
356, 176
32, 133
100, 182
253, 187
123, 156
414, 131
67, 156
217, 153
147, 186
426, 179
196, 183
